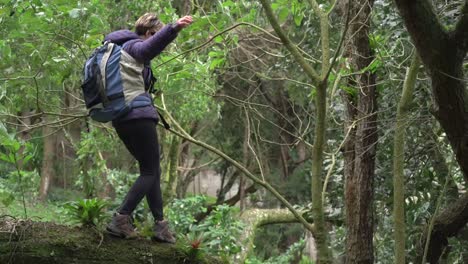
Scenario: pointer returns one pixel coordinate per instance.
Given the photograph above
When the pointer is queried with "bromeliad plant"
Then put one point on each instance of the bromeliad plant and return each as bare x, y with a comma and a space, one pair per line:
87, 212
195, 245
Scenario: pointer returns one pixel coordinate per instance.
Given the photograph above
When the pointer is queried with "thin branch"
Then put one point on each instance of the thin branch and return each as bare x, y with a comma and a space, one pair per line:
308, 69
340, 45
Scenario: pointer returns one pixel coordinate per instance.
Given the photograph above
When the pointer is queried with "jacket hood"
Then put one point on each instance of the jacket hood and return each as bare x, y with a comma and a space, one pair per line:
121, 36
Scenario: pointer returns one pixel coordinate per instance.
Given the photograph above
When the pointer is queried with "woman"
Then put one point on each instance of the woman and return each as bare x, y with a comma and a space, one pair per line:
137, 129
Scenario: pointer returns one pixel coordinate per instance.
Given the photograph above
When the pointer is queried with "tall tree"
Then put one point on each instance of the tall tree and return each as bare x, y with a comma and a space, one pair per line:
360, 146
398, 160
320, 83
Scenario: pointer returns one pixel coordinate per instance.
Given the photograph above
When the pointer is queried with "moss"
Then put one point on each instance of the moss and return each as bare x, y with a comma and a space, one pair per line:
51, 243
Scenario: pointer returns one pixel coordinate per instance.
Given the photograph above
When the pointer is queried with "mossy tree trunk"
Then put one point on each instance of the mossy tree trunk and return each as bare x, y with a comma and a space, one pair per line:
398, 160
26, 242
257, 218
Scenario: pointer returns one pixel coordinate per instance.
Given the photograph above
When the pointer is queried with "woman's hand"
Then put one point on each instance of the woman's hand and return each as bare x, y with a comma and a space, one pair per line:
184, 21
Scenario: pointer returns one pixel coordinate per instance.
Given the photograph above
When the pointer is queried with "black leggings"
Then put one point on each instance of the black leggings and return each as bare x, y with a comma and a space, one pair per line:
141, 139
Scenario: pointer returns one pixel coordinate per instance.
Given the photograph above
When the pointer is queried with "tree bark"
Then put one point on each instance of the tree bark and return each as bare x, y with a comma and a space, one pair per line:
360, 153
447, 223
48, 158
442, 53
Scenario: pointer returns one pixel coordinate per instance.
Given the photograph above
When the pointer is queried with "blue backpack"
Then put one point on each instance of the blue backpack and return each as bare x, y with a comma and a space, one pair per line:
113, 83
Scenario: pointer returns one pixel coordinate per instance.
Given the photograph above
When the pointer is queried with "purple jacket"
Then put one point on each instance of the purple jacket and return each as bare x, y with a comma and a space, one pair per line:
144, 51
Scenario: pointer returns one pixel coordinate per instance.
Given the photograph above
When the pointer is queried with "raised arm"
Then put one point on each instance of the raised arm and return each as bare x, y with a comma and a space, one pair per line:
148, 49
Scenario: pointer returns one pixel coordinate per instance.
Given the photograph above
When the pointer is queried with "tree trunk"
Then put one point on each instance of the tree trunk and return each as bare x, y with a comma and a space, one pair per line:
360, 161
446, 224
172, 172
398, 160
442, 53
48, 158
187, 174
245, 159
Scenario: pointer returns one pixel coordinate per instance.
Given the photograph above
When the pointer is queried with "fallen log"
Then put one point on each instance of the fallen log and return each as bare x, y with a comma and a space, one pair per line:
28, 242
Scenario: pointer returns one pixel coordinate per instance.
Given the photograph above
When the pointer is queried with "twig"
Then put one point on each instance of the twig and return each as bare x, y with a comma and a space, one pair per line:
213, 37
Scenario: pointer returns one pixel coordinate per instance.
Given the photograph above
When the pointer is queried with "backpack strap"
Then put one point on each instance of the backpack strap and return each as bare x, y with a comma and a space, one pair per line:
103, 66
165, 124
152, 81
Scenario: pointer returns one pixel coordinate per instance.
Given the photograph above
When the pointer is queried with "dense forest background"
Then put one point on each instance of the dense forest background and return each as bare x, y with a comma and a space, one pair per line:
326, 131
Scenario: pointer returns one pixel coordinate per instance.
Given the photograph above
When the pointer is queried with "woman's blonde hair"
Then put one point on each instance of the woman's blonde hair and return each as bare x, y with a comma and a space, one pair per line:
148, 21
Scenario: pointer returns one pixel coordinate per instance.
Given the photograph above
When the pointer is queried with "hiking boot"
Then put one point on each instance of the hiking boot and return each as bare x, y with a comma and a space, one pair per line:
122, 226
162, 233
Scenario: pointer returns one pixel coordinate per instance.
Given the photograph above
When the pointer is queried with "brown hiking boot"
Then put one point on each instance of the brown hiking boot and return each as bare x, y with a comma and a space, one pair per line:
162, 232
122, 226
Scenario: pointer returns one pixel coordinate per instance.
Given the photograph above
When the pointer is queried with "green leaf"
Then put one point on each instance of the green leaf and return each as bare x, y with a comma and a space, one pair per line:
350, 90
6, 158
375, 65
228, 3
16, 145
215, 63
298, 19
213, 54
283, 15
218, 39
27, 158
